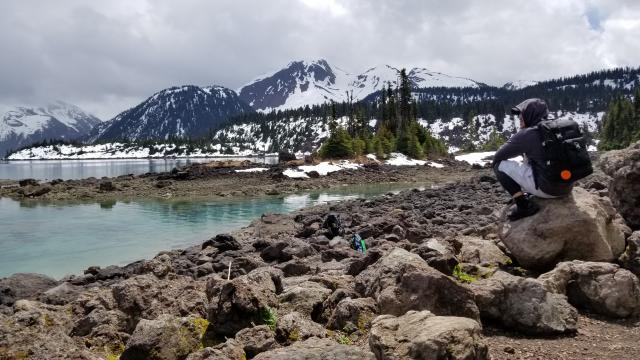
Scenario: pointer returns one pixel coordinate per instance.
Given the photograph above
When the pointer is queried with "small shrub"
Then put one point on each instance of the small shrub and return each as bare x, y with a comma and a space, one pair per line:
269, 318
343, 339
459, 274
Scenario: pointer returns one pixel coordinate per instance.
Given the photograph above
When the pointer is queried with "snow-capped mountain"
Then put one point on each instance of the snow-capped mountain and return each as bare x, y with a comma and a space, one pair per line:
24, 125
519, 84
185, 111
303, 83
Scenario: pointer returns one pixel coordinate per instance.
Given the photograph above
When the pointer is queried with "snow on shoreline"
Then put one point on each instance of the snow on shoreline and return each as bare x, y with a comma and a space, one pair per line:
124, 151
477, 158
326, 167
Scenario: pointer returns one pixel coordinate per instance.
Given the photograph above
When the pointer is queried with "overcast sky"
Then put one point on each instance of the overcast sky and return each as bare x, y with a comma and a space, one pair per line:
106, 56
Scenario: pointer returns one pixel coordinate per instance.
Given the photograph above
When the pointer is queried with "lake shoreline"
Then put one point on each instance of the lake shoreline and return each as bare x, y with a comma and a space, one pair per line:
222, 180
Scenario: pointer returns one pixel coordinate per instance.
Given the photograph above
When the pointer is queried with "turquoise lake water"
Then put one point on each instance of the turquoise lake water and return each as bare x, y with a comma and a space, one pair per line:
81, 169
60, 239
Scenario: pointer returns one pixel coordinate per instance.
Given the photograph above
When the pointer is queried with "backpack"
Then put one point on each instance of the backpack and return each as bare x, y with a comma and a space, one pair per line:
333, 225
358, 244
565, 151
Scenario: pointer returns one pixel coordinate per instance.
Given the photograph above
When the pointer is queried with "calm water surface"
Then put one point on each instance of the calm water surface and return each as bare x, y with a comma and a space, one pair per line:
60, 239
81, 169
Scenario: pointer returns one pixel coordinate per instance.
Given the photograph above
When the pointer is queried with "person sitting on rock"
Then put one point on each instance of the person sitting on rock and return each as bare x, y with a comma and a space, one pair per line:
522, 178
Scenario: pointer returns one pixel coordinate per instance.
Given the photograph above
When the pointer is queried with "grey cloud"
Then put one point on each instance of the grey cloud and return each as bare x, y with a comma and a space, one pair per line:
109, 55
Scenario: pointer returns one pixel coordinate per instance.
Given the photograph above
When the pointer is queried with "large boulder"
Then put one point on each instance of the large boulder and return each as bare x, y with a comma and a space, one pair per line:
582, 226
524, 304
23, 286
624, 168
317, 349
167, 338
598, 287
243, 301
402, 281
422, 335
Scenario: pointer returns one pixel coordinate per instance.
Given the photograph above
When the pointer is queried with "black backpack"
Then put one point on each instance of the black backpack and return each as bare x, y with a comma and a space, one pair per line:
333, 225
565, 151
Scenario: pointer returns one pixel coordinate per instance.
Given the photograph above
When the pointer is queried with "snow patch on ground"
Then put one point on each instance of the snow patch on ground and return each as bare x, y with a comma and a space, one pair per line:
478, 158
295, 174
252, 170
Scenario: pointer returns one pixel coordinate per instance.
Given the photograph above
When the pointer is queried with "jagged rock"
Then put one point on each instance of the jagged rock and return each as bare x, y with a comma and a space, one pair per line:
304, 297
160, 265
438, 254
524, 304
286, 250
61, 294
167, 338
223, 242
624, 168
256, 340
87, 324
229, 350
243, 301
146, 296
317, 349
357, 313
598, 287
295, 327
580, 227
295, 267
422, 335
479, 251
38, 331
402, 281
630, 259
23, 286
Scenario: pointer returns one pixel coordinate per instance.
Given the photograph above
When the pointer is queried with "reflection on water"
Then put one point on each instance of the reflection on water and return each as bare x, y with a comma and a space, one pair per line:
58, 239
82, 169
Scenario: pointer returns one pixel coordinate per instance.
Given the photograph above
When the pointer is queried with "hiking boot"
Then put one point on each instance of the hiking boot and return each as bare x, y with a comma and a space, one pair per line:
524, 207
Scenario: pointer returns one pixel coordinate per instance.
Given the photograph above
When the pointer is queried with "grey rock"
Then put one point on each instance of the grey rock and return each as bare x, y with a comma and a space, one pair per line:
524, 304
422, 335
294, 327
624, 168
356, 313
61, 294
402, 281
229, 350
243, 301
598, 287
580, 227
167, 338
479, 251
317, 349
23, 286
256, 340
304, 297
630, 259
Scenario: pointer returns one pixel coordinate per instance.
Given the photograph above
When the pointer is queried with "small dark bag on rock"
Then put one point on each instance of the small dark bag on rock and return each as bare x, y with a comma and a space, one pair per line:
565, 151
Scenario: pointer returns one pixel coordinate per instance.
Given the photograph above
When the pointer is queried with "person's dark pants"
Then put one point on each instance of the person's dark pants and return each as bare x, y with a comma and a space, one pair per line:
506, 181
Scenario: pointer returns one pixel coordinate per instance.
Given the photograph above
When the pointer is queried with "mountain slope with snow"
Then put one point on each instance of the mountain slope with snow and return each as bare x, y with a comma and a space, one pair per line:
185, 111
303, 83
24, 125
